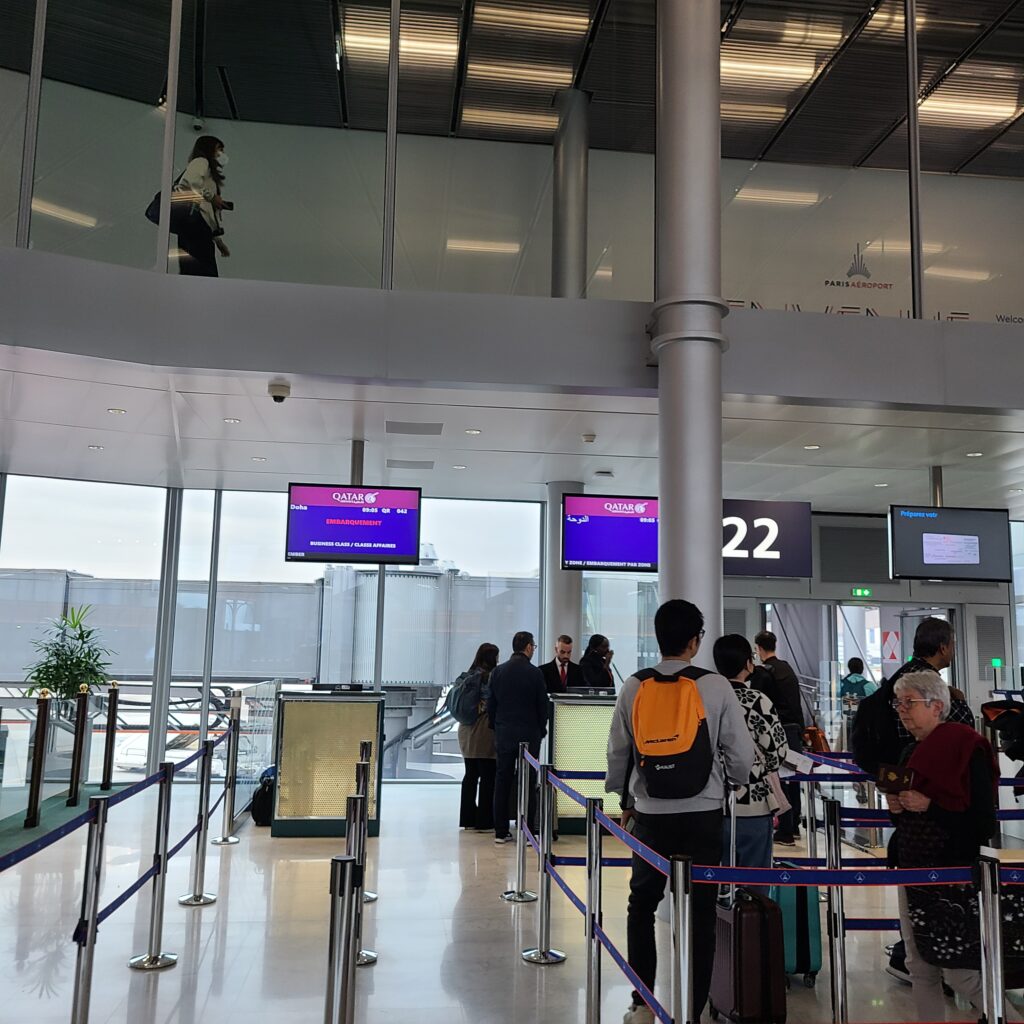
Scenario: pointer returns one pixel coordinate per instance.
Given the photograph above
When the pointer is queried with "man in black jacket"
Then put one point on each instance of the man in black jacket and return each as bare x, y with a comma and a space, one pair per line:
517, 710
562, 673
878, 737
780, 683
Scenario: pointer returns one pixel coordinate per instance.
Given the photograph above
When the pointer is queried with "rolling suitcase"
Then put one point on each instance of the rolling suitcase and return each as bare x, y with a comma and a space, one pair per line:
801, 926
748, 984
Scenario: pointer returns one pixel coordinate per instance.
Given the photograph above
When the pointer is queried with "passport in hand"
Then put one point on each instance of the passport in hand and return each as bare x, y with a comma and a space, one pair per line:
894, 779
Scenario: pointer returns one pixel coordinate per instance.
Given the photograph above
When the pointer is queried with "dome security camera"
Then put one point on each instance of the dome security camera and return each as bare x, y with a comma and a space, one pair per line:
279, 390
198, 124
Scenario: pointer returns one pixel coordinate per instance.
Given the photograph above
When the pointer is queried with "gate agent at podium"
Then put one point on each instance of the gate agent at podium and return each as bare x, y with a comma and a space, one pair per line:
720, 751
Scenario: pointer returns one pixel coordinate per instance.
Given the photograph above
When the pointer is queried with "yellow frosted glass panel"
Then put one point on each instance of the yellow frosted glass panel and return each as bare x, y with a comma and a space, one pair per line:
580, 745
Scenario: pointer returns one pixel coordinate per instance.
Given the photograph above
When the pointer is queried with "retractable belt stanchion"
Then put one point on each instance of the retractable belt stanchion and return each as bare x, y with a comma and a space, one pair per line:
355, 846
230, 771
812, 819
836, 914
155, 958
90, 910
198, 898
543, 953
520, 894
339, 1005
681, 885
363, 790
593, 919
78, 749
35, 785
990, 912
110, 738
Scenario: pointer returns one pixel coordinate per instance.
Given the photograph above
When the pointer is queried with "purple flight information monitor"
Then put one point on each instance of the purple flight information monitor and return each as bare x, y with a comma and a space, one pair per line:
609, 533
353, 524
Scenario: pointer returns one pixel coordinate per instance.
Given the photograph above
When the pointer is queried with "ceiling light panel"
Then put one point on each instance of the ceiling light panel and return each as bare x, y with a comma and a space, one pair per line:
531, 20
54, 212
777, 196
426, 40
482, 245
533, 76
959, 274
509, 120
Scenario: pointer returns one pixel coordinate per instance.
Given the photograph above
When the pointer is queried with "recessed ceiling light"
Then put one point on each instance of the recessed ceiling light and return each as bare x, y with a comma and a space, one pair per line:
116, 412
95, 447
232, 419
472, 431
975, 455
458, 467
258, 458
881, 485
812, 447
1017, 490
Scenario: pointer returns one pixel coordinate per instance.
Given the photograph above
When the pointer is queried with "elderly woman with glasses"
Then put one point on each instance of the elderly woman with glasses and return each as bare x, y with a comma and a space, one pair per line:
944, 815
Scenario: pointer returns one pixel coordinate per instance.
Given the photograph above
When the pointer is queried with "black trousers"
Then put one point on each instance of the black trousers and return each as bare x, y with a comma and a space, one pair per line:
477, 809
503, 789
195, 239
697, 835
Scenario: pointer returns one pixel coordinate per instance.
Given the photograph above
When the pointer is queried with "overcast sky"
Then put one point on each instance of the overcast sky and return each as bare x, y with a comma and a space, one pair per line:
115, 531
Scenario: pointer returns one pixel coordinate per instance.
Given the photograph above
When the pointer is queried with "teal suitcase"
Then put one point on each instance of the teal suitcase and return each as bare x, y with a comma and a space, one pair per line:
801, 929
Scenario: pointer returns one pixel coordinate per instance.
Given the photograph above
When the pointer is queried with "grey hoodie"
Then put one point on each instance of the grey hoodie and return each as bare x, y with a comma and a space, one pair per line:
729, 736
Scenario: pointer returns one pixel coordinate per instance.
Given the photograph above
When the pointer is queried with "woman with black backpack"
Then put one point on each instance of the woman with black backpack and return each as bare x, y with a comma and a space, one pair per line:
476, 742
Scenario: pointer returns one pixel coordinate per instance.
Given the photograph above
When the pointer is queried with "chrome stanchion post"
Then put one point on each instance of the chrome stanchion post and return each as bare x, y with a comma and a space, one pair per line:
990, 913
593, 919
363, 790
230, 772
355, 846
111, 736
156, 959
836, 913
812, 820
520, 894
543, 953
339, 1006
198, 898
90, 910
681, 885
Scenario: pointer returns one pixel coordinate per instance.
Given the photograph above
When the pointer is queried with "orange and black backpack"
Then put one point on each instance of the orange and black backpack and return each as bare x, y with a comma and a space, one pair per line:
671, 738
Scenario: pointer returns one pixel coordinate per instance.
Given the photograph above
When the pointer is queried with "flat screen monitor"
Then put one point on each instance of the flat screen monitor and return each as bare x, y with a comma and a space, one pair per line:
609, 533
969, 544
342, 523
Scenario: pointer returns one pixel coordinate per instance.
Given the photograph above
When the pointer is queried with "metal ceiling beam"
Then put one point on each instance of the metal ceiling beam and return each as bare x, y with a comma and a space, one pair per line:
732, 17
460, 65
826, 70
338, 49
941, 77
199, 58
989, 142
596, 24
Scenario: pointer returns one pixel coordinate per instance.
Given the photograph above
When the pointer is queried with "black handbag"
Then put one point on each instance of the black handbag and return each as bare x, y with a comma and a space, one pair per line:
181, 209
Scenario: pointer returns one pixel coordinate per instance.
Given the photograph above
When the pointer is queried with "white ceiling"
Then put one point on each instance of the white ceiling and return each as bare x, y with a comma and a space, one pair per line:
54, 406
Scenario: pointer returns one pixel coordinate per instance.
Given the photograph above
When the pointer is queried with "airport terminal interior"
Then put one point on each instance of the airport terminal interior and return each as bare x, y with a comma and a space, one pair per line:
340, 337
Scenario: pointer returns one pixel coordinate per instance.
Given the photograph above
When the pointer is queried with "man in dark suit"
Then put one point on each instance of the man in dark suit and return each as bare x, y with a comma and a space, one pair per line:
562, 673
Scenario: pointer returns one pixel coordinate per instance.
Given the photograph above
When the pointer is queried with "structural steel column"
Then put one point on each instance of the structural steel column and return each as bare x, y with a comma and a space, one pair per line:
935, 486
688, 310
563, 591
569, 197
164, 644
913, 160
211, 615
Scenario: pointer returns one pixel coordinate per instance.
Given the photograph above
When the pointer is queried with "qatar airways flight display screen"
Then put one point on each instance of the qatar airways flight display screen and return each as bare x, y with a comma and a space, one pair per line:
609, 533
353, 524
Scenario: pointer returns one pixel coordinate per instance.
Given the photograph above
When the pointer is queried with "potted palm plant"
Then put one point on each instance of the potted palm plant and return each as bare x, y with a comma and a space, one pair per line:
72, 660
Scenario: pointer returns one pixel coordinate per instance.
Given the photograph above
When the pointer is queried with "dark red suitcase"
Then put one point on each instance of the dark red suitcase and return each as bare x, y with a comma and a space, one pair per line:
749, 979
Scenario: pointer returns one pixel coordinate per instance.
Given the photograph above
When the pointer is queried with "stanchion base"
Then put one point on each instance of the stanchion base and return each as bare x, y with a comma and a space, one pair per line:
224, 841
543, 956
366, 958
145, 962
202, 900
514, 896
370, 897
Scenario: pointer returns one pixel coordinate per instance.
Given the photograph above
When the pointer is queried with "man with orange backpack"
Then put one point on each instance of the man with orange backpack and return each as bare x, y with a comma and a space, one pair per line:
678, 736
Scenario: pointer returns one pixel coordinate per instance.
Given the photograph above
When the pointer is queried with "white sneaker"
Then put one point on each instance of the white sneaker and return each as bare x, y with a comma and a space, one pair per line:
641, 1014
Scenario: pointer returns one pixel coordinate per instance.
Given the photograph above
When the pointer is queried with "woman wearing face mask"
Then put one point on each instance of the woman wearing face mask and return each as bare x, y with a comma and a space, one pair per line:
201, 182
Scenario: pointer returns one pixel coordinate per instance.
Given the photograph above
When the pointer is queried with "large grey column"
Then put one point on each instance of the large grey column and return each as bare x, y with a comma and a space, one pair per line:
688, 310
935, 488
569, 197
563, 590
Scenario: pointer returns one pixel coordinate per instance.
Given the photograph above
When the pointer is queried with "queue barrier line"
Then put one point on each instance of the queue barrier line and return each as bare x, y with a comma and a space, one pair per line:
531, 838
872, 924
643, 851
220, 800
78, 936
594, 776
646, 994
564, 886
191, 834
581, 862
9, 860
571, 793
188, 761
134, 789
716, 874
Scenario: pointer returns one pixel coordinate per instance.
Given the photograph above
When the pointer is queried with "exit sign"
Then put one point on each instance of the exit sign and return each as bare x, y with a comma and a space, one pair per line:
861, 592
997, 662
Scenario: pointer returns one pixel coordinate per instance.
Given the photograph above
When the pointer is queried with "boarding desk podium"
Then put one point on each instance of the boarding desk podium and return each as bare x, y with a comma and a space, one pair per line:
316, 750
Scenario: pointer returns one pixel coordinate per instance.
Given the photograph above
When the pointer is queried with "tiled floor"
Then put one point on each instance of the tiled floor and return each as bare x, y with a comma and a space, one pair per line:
449, 948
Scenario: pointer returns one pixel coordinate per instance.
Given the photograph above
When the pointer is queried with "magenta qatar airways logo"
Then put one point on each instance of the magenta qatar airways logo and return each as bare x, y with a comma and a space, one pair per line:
626, 508
355, 497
